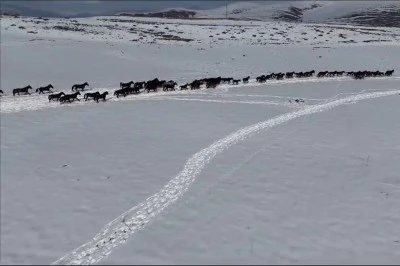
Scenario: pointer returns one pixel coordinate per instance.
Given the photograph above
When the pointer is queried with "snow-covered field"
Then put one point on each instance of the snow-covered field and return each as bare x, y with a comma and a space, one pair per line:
235, 174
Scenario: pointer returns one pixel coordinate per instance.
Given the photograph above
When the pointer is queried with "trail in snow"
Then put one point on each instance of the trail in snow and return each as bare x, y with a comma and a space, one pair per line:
127, 224
11, 104
230, 101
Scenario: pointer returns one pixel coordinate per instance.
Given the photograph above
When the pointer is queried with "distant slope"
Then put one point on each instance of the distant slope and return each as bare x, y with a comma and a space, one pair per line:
7, 8
370, 13
25, 11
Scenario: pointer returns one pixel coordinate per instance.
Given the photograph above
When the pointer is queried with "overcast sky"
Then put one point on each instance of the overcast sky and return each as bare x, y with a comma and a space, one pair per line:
74, 7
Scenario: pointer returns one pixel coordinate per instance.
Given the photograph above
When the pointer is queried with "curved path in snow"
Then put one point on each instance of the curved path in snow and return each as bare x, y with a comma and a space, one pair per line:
117, 232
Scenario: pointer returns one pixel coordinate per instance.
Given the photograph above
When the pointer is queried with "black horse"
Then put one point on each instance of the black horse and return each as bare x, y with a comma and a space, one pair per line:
101, 96
170, 85
45, 89
246, 79
184, 87
55, 97
261, 79
152, 86
69, 97
389, 73
89, 95
235, 81
1, 91
81, 87
280, 76
289, 75
139, 85
122, 92
125, 85
24, 90
195, 85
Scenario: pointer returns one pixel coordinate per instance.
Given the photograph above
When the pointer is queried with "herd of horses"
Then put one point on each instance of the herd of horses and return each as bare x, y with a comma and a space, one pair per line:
153, 85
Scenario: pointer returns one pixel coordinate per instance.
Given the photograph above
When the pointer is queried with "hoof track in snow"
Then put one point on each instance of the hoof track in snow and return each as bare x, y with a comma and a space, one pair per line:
127, 224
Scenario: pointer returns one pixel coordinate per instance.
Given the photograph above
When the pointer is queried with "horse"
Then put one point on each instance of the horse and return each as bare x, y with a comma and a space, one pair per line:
81, 87
125, 85
279, 76
24, 90
195, 85
139, 85
358, 76
69, 97
270, 76
1, 91
152, 85
289, 75
169, 85
261, 79
211, 84
184, 87
235, 81
226, 80
89, 95
246, 79
101, 96
136, 88
122, 92
55, 96
389, 73
46, 88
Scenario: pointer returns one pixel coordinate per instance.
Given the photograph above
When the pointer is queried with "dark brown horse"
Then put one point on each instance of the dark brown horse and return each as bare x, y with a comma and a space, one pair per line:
89, 95
184, 87
70, 97
45, 89
55, 97
122, 92
170, 85
125, 85
389, 73
24, 90
81, 87
101, 96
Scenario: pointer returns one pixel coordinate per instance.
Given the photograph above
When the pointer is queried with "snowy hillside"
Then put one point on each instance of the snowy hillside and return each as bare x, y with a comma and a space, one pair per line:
234, 174
157, 31
369, 13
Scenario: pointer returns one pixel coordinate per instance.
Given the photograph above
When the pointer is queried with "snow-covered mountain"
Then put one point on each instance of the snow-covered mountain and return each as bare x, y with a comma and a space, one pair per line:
371, 13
